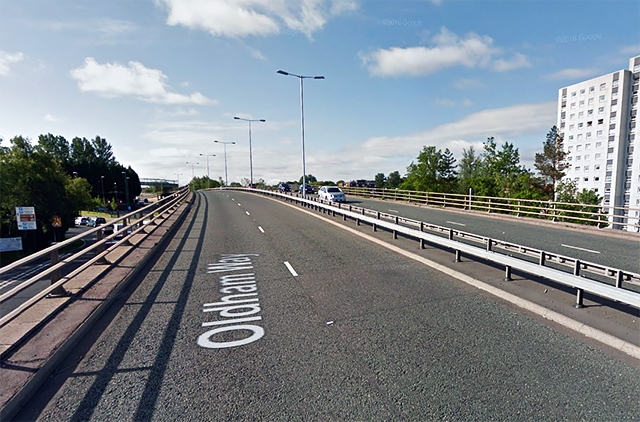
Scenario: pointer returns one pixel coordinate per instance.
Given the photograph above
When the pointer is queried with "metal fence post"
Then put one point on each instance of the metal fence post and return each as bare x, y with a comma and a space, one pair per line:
55, 276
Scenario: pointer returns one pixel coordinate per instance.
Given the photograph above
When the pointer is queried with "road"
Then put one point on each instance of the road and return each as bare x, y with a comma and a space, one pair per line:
588, 245
335, 328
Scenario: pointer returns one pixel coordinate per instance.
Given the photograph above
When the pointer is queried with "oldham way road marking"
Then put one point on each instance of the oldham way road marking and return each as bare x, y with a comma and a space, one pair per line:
261, 229
579, 248
290, 268
457, 224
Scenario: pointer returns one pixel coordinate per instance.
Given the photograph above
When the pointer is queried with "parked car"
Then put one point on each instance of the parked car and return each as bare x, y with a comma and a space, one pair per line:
306, 187
100, 221
331, 193
284, 187
81, 221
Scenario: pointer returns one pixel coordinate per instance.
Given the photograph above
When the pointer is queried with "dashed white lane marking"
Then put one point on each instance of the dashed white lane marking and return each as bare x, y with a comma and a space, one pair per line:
247, 212
396, 211
239, 204
579, 248
290, 268
457, 224
261, 229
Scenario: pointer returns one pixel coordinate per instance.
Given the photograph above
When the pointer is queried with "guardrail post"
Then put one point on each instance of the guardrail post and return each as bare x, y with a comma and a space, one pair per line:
543, 258
374, 227
489, 207
619, 279
395, 234
450, 234
444, 201
426, 198
553, 212
457, 255
396, 220
507, 273
580, 293
99, 248
421, 243
518, 214
55, 276
378, 215
421, 226
489, 244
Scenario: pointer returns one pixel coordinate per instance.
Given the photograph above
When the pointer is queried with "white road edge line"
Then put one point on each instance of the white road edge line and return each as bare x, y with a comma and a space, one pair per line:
396, 211
457, 224
290, 268
247, 212
261, 229
579, 248
570, 323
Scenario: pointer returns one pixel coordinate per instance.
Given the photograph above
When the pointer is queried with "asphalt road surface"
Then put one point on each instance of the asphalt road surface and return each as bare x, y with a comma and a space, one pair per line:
588, 245
331, 327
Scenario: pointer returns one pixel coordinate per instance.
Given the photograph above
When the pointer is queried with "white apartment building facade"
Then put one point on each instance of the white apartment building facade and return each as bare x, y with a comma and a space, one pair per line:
597, 119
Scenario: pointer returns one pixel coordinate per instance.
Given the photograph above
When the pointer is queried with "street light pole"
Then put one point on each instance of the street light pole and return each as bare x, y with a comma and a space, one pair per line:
250, 152
208, 155
226, 179
193, 171
304, 166
126, 188
102, 184
178, 174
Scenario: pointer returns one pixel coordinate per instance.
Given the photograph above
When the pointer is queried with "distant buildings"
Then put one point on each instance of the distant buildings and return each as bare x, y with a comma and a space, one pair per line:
597, 119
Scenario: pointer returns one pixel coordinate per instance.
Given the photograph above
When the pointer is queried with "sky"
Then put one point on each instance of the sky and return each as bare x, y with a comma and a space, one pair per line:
162, 79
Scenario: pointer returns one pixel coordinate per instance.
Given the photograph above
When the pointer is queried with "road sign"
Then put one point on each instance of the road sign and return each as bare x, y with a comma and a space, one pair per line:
56, 221
26, 218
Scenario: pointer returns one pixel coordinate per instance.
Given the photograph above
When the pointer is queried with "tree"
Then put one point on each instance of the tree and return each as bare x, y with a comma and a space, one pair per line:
310, 178
380, 180
550, 163
433, 172
394, 179
468, 169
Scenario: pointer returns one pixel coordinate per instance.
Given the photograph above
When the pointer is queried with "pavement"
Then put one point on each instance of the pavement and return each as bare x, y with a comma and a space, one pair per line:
34, 343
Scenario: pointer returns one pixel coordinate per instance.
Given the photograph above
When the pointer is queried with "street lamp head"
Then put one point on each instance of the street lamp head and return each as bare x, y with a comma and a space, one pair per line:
262, 120
282, 72
102, 177
236, 117
318, 77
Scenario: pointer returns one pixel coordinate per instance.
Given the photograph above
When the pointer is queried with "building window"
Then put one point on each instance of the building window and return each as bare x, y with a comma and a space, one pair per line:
590, 101
590, 112
599, 135
577, 168
588, 135
580, 125
570, 138
600, 111
601, 98
579, 136
578, 158
582, 91
572, 116
586, 157
571, 127
592, 89
569, 158
570, 148
573, 94
581, 103
581, 114
597, 156
573, 105
596, 179
602, 87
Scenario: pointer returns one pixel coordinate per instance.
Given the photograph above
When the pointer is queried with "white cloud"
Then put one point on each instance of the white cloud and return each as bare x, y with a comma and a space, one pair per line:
6, 59
632, 50
468, 83
572, 73
446, 50
517, 61
241, 18
447, 102
112, 80
51, 118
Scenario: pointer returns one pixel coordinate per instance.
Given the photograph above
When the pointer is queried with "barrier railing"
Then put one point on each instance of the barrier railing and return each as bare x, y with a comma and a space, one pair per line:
596, 215
601, 280
134, 224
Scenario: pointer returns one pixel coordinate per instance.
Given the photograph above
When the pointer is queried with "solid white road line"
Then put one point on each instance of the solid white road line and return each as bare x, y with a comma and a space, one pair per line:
290, 268
396, 211
457, 224
579, 248
261, 229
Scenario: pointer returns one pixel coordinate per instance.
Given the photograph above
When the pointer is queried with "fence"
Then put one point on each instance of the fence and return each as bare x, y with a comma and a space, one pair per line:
601, 216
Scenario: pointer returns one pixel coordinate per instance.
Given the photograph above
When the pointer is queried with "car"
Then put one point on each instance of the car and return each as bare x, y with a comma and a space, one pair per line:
252, 186
284, 187
307, 188
81, 221
100, 221
331, 193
